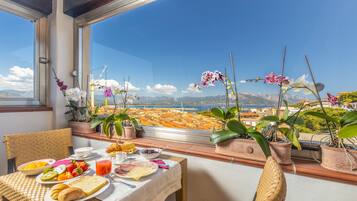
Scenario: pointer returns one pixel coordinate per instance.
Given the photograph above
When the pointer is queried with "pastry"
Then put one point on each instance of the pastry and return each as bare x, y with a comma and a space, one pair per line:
71, 193
56, 189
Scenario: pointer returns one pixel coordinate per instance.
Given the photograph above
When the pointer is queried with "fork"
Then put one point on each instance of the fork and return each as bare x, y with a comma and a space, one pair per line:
120, 181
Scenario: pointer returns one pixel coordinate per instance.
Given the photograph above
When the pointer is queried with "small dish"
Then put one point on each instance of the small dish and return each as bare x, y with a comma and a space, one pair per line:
36, 171
150, 153
83, 152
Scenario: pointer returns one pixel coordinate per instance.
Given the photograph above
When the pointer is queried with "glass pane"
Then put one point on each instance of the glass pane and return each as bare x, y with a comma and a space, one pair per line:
162, 49
16, 57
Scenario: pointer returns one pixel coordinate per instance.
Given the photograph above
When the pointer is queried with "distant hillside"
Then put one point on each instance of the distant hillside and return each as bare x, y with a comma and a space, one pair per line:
15, 94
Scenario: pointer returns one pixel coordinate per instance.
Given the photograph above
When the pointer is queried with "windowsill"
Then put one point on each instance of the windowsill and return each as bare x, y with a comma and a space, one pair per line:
6, 109
302, 167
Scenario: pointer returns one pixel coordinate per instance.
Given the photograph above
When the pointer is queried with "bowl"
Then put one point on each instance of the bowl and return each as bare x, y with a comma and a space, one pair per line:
83, 151
150, 153
36, 170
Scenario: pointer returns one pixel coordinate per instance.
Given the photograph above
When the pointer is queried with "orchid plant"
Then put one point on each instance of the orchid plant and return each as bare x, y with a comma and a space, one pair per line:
340, 129
76, 101
230, 116
117, 119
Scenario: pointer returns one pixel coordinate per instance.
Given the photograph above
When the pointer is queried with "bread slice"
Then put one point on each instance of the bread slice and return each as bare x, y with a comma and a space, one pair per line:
89, 184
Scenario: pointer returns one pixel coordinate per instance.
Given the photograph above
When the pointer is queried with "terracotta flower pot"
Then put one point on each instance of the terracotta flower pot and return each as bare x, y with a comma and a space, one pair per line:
81, 127
338, 160
249, 149
129, 132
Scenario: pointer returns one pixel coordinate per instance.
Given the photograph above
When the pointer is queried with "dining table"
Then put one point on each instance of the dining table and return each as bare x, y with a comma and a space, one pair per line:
156, 187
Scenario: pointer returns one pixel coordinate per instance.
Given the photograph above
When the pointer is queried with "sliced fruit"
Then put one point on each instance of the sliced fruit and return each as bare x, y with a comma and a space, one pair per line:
51, 175
60, 169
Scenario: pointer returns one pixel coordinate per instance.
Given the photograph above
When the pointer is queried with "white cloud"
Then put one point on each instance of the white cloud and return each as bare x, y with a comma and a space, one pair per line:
115, 84
162, 89
20, 79
192, 88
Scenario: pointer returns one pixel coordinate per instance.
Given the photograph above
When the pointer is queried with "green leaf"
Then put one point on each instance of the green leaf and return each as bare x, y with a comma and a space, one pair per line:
218, 112
122, 116
134, 122
295, 120
349, 118
237, 127
292, 136
263, 143
118, 127
322, 116
222, 136
270, 118
96, 122
348, 131
106, 129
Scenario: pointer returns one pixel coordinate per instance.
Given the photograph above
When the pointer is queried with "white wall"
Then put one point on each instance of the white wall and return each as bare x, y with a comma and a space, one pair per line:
21, 122
212, 180
61, 59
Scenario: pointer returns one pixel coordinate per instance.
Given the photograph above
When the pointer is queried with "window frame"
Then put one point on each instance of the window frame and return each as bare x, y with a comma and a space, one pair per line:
40, 57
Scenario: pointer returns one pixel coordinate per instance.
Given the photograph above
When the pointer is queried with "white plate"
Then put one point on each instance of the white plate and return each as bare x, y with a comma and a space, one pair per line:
154, 167
104, 188
38, 178
78, 158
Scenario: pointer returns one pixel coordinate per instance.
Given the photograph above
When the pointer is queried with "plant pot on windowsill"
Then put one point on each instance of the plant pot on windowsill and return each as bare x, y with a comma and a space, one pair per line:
249, 149
81, 127
339, 160
129, 132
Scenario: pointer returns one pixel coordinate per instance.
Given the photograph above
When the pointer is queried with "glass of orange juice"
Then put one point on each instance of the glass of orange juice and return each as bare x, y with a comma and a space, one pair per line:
103, 166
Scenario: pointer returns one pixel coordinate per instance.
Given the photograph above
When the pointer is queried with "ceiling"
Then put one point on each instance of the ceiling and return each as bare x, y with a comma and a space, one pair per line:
42, 6
73, 8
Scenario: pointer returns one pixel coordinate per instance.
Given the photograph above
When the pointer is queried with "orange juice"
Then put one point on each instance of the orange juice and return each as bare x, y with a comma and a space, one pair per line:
103, 167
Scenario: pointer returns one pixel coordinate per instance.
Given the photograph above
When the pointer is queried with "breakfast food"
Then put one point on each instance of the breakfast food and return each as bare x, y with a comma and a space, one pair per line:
89, 184
34, 165
115, 147
127, 147
56, 189
64, 172
135, 170
71, 193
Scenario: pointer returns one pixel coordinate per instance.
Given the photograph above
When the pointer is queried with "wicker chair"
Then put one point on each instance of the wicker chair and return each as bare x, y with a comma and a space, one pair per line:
25, 147
272, 184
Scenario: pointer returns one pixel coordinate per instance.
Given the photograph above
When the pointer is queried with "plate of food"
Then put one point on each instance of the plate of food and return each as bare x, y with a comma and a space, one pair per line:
62, 171
135, 169
81, 189
36, 167
127, 147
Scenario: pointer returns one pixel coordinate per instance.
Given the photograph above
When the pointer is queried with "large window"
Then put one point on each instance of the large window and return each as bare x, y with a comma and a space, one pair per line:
160, 50
22, 80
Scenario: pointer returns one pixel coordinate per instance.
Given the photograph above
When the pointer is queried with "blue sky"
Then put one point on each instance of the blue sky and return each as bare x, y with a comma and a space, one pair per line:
173, 41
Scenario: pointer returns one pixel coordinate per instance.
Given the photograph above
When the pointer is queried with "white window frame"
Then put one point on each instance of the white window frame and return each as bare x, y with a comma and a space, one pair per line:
41, 53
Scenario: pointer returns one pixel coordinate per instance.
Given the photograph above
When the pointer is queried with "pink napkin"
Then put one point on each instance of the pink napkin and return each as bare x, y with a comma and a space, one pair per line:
161, 163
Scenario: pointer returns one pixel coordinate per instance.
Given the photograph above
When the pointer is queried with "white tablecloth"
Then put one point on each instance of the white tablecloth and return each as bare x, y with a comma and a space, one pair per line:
156, 187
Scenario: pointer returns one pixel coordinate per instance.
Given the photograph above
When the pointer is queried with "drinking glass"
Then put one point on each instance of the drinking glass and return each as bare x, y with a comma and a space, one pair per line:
103, 166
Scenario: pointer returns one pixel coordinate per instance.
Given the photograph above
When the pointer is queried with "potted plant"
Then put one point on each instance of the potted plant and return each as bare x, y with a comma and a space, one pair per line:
337, 154
234, 139
118, 123
77, 104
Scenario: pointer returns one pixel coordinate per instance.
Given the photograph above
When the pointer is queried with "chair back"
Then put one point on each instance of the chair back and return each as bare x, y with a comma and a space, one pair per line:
272, 184
25, 147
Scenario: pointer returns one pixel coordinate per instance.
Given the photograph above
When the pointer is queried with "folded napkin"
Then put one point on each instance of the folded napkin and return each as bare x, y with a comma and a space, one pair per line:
161, 163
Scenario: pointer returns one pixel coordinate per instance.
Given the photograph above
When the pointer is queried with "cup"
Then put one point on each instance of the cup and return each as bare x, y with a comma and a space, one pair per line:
120, 156
103, 166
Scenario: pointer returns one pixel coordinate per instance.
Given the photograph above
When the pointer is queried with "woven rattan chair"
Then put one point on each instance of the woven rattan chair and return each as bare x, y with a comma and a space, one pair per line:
25, 147
272, 184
